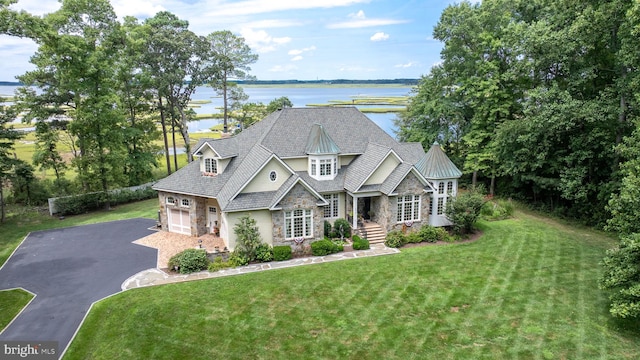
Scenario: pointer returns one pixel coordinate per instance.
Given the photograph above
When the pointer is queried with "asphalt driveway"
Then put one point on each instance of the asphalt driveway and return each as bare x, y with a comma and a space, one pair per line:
69, 269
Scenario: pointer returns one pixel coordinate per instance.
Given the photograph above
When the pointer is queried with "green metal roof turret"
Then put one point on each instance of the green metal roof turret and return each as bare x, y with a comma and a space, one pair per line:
437, 165
320, 143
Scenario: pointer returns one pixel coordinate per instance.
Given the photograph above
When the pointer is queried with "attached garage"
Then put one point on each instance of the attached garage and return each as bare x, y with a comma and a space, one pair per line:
179, 221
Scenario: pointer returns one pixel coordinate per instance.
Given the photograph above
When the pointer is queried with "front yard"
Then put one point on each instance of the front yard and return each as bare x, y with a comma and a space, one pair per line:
526, 289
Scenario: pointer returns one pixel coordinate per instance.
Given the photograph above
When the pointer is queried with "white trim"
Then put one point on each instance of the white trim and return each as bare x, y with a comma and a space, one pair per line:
273, 156
414, 203
380, 164
180, 228
304, 217
322, 202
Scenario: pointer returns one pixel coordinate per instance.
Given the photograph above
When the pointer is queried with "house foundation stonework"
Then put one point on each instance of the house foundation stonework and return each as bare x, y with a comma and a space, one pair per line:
286, 161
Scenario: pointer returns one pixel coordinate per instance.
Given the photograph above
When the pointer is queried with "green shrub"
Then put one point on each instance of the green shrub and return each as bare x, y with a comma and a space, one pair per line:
80, 204
248, 237
219, 264
282, 252
413, 237
264, 253
189, 261
327, 228
497, 210
395, 239
325, 247
342, 228
428, 233
464, 210
360, 243
238, 258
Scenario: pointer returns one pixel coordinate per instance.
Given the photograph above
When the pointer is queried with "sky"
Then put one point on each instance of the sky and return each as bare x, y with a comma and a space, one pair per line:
295, 39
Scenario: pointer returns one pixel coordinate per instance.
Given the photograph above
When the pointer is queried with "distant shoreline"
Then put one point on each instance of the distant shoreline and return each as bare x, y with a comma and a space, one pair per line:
306, 83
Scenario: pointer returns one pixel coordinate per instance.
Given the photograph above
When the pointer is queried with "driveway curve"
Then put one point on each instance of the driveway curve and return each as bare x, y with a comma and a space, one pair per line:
68, 269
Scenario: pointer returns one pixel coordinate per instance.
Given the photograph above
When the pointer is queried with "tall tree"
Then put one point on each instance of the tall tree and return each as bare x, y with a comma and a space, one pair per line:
233, 57
136, 98
75, 65
279, 104
174, 62
8, 136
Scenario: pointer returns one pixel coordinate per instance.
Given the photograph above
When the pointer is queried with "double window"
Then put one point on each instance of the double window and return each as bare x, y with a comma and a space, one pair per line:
298, 223
211, 166
331, 210
408, 208
323, 168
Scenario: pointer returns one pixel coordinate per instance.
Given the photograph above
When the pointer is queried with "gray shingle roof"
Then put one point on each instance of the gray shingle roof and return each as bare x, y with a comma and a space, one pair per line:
435, 164
361, 167
292, 133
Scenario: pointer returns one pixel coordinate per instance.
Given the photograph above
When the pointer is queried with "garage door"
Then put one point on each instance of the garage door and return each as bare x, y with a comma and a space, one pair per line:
179, 221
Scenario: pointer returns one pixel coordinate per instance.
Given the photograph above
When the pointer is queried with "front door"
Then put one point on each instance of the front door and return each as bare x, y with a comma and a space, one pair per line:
366, 208
212, 219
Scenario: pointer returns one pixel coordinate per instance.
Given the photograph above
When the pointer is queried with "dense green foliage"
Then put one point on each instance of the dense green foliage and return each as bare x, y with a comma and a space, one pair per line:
622, 277
464, 210
189, 261
342, 228
7, 137
535, 116
282, 252
83, 203
247, 237
360, 243
325, 247
264, 253
395, 239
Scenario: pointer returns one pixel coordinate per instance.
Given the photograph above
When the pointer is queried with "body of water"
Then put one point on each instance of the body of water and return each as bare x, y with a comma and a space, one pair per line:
299, 96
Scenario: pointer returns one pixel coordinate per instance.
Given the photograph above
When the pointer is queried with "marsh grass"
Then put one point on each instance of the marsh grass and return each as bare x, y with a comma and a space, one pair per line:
526, 289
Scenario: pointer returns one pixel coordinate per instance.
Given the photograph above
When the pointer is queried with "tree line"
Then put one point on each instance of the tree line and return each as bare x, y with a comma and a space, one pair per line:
538, 99
105, 87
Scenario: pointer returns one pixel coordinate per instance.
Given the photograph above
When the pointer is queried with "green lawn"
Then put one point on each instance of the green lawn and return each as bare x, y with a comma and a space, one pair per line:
527, 289
11, 303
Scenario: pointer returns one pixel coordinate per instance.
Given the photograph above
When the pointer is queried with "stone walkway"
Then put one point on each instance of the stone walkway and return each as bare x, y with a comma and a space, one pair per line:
156, 276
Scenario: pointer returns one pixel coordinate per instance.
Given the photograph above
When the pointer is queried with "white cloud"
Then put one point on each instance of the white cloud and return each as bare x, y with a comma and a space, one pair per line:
359, 15
379, 36
300, 51
361, 23
261, 41
248, 7
297, 58
137, 8
407, 65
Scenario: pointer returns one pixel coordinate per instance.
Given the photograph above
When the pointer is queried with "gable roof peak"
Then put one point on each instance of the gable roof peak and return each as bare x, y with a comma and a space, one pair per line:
319, 142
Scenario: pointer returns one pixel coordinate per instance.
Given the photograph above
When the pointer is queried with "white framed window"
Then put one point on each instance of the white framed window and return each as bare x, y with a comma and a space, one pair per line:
298, 223
213, 210
323, 167
211, 166
273, 175
441, 187
450, 187
408, 208
185, 203
331, 210
171, 200
440, 206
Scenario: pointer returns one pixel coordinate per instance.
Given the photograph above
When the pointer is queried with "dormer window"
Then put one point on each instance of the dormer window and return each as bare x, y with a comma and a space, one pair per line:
210, 166
323, 167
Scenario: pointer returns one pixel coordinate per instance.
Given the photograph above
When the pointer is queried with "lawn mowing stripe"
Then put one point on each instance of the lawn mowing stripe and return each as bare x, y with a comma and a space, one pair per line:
582, 309
490, 282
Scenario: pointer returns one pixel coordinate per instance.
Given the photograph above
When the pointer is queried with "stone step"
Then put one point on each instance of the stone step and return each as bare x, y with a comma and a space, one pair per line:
375, 233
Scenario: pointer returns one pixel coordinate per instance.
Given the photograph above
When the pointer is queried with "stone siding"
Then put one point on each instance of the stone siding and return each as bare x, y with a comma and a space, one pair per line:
197, 212
410, 185
297, 198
